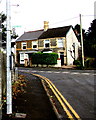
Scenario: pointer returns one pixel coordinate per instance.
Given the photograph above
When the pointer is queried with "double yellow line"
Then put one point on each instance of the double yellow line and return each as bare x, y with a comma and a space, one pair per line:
71, 115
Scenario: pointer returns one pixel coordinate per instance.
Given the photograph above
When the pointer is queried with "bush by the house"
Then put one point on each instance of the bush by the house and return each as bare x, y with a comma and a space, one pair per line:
90, 63
44, 58
78, 63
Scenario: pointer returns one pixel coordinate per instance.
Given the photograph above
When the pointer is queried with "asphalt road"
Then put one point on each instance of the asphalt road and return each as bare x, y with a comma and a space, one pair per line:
77, 86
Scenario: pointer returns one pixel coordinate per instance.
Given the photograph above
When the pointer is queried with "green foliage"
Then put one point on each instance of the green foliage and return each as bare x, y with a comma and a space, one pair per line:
90, 63
77, 32
44, 58
90, 41
78, 63
3, 19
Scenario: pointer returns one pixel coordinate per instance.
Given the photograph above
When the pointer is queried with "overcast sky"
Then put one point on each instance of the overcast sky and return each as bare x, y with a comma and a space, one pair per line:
30, 14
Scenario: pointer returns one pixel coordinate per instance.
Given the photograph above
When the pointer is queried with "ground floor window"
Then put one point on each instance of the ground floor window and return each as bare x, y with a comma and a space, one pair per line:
21, 58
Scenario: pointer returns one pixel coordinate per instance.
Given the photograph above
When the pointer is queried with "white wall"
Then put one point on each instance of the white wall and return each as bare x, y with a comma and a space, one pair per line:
70, 40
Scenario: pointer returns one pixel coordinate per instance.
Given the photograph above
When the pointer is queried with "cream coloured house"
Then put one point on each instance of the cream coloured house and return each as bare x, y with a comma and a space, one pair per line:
61, 40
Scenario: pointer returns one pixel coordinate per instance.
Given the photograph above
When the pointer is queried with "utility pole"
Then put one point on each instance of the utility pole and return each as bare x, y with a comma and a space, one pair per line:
8, 51
0, 71
82, 40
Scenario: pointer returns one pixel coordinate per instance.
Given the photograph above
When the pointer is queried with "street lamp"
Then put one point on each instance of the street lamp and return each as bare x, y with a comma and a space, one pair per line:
8, 51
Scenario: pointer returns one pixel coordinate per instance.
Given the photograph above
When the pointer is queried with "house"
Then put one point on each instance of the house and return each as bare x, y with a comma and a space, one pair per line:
61, 40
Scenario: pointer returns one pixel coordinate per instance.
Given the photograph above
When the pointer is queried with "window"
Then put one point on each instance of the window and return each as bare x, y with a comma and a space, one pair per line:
34, 44
53, 42
24, 45
47, 43
29, 44
40, 43
60, 42
21, 58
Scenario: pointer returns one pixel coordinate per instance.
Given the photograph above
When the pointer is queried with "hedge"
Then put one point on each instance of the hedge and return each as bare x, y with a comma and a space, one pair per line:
90, 63
44, 58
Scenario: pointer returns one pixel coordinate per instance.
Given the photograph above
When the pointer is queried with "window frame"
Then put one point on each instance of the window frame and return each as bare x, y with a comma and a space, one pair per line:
21, 58
34, 43
24, 44
60, 41
47, 41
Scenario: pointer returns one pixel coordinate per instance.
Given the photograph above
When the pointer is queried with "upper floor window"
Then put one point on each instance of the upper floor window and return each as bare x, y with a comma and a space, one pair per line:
53, 42
24, 45
60, 42
34, 44
47, 43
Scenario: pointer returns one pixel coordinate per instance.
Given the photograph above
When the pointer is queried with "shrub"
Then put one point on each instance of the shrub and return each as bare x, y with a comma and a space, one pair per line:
44, 58
90, 63
78, 64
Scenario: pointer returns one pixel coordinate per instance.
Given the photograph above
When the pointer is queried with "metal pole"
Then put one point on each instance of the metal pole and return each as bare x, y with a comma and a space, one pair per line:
0, 71
82, 41
8, 51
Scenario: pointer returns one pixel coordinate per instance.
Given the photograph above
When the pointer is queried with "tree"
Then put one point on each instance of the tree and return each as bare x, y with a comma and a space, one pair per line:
13, 36
90, 41
77, 32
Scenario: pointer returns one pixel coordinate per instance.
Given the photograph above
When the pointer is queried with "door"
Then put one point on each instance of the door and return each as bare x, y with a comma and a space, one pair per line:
62, 58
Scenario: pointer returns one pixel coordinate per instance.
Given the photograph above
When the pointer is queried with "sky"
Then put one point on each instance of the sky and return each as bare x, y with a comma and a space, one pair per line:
31, 14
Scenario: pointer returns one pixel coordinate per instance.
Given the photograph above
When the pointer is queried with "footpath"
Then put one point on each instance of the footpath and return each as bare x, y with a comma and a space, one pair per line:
33, 104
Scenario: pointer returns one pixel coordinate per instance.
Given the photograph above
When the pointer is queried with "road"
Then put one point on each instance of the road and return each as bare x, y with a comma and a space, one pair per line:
77, 86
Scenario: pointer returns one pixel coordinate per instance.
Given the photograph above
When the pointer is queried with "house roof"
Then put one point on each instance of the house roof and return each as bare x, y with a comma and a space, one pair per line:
31, 35
55, 32
41, 34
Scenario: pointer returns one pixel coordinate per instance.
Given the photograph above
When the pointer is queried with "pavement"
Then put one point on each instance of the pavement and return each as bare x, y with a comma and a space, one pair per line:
33, 104
68, 66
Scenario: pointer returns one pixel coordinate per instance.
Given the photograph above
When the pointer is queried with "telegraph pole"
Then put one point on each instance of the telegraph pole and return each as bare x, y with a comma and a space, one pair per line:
82, 40
8, 51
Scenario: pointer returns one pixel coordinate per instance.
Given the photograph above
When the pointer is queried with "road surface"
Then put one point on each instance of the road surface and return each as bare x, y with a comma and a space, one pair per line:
77, 86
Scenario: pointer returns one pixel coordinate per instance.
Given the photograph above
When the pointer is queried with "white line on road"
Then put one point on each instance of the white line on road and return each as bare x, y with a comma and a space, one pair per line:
75, 73
57, 72
85, 73
41, 71
65, 72
48, 71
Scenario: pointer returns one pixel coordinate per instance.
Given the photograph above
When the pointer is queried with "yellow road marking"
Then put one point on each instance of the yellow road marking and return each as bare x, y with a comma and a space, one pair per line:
65, 101
64, 107
70, 107
59, 99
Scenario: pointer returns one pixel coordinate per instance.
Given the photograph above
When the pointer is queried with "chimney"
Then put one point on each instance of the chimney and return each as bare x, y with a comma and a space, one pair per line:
46, 25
